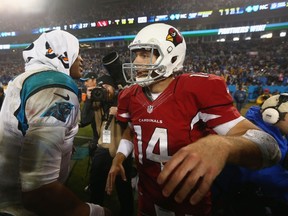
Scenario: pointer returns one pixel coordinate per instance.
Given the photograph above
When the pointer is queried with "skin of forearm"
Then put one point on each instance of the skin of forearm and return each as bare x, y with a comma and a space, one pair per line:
54, 199
119, 158
241, 151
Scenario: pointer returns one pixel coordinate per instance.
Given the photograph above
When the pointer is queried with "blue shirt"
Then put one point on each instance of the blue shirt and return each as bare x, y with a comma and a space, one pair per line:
273, 181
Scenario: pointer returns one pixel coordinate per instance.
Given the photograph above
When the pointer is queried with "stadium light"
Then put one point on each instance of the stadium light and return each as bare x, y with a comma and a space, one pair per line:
237, 38
21, 6
283, 34
267, 35
221, 40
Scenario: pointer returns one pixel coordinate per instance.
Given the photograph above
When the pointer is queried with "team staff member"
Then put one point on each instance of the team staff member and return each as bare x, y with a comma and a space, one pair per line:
87, 111
38, 122
271, 117
110, 134
176, 163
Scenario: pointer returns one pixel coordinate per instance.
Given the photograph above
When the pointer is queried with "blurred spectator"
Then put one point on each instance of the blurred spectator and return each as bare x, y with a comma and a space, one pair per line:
261, 98
240, 97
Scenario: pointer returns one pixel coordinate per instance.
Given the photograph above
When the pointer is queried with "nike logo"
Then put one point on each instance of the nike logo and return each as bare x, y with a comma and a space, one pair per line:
64, 97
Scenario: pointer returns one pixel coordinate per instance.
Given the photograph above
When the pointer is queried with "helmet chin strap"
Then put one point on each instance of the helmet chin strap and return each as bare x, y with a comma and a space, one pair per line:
161, 70
150, 80
160, 79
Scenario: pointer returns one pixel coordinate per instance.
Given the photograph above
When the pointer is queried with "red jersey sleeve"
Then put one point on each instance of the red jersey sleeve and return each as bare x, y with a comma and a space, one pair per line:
124, 98
210, 94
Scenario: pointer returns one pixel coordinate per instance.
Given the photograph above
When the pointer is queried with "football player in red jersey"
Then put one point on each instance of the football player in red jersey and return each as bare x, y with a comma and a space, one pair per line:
170, 119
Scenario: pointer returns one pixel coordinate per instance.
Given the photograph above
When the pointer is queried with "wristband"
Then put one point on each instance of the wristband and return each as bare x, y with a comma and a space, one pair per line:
96, 210
125, 147
268, 146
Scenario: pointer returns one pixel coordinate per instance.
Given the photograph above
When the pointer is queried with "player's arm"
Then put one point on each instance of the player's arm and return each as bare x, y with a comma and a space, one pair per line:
54, 199
251, 147
197, 165
41, 158
125, 148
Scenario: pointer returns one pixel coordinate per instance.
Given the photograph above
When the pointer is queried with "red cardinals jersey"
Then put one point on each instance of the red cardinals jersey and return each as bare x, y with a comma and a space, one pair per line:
189, 106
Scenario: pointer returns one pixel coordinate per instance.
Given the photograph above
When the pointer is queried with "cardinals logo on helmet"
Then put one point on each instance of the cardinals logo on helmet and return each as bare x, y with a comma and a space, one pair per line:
174, 37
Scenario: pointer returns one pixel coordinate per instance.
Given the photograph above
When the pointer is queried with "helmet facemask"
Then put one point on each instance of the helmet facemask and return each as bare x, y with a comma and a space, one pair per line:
144, 74
163, 41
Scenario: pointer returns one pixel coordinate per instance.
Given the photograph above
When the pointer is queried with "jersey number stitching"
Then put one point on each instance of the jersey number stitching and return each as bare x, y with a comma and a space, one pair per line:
160, 137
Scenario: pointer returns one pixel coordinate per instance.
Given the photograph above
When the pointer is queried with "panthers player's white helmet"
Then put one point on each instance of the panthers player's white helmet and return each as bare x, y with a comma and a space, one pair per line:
171, 47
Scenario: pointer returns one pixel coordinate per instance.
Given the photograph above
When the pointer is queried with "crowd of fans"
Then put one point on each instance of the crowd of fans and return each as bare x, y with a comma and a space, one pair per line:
249, 62
252, 62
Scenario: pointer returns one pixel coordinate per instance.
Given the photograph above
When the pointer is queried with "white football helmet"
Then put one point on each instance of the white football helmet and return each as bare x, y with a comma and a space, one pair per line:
171, 47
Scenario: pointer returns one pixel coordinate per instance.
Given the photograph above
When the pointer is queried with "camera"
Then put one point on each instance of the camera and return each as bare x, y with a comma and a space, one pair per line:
113, 65
100, 94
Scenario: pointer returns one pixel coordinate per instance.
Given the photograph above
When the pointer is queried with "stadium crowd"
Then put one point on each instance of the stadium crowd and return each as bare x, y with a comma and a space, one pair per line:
250, 62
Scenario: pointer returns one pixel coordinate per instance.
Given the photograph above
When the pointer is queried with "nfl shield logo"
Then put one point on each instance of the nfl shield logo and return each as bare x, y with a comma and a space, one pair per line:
150, 109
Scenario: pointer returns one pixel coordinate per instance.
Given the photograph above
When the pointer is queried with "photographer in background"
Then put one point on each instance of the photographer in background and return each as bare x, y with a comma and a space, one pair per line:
104, 98
87, 111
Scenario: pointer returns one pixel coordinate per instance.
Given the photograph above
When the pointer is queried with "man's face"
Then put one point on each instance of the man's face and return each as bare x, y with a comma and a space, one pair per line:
76, 68
90, 83
144, 57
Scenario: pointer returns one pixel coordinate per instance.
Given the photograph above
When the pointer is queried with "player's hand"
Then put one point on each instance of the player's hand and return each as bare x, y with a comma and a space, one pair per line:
116, 169
113, 110
193, 169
